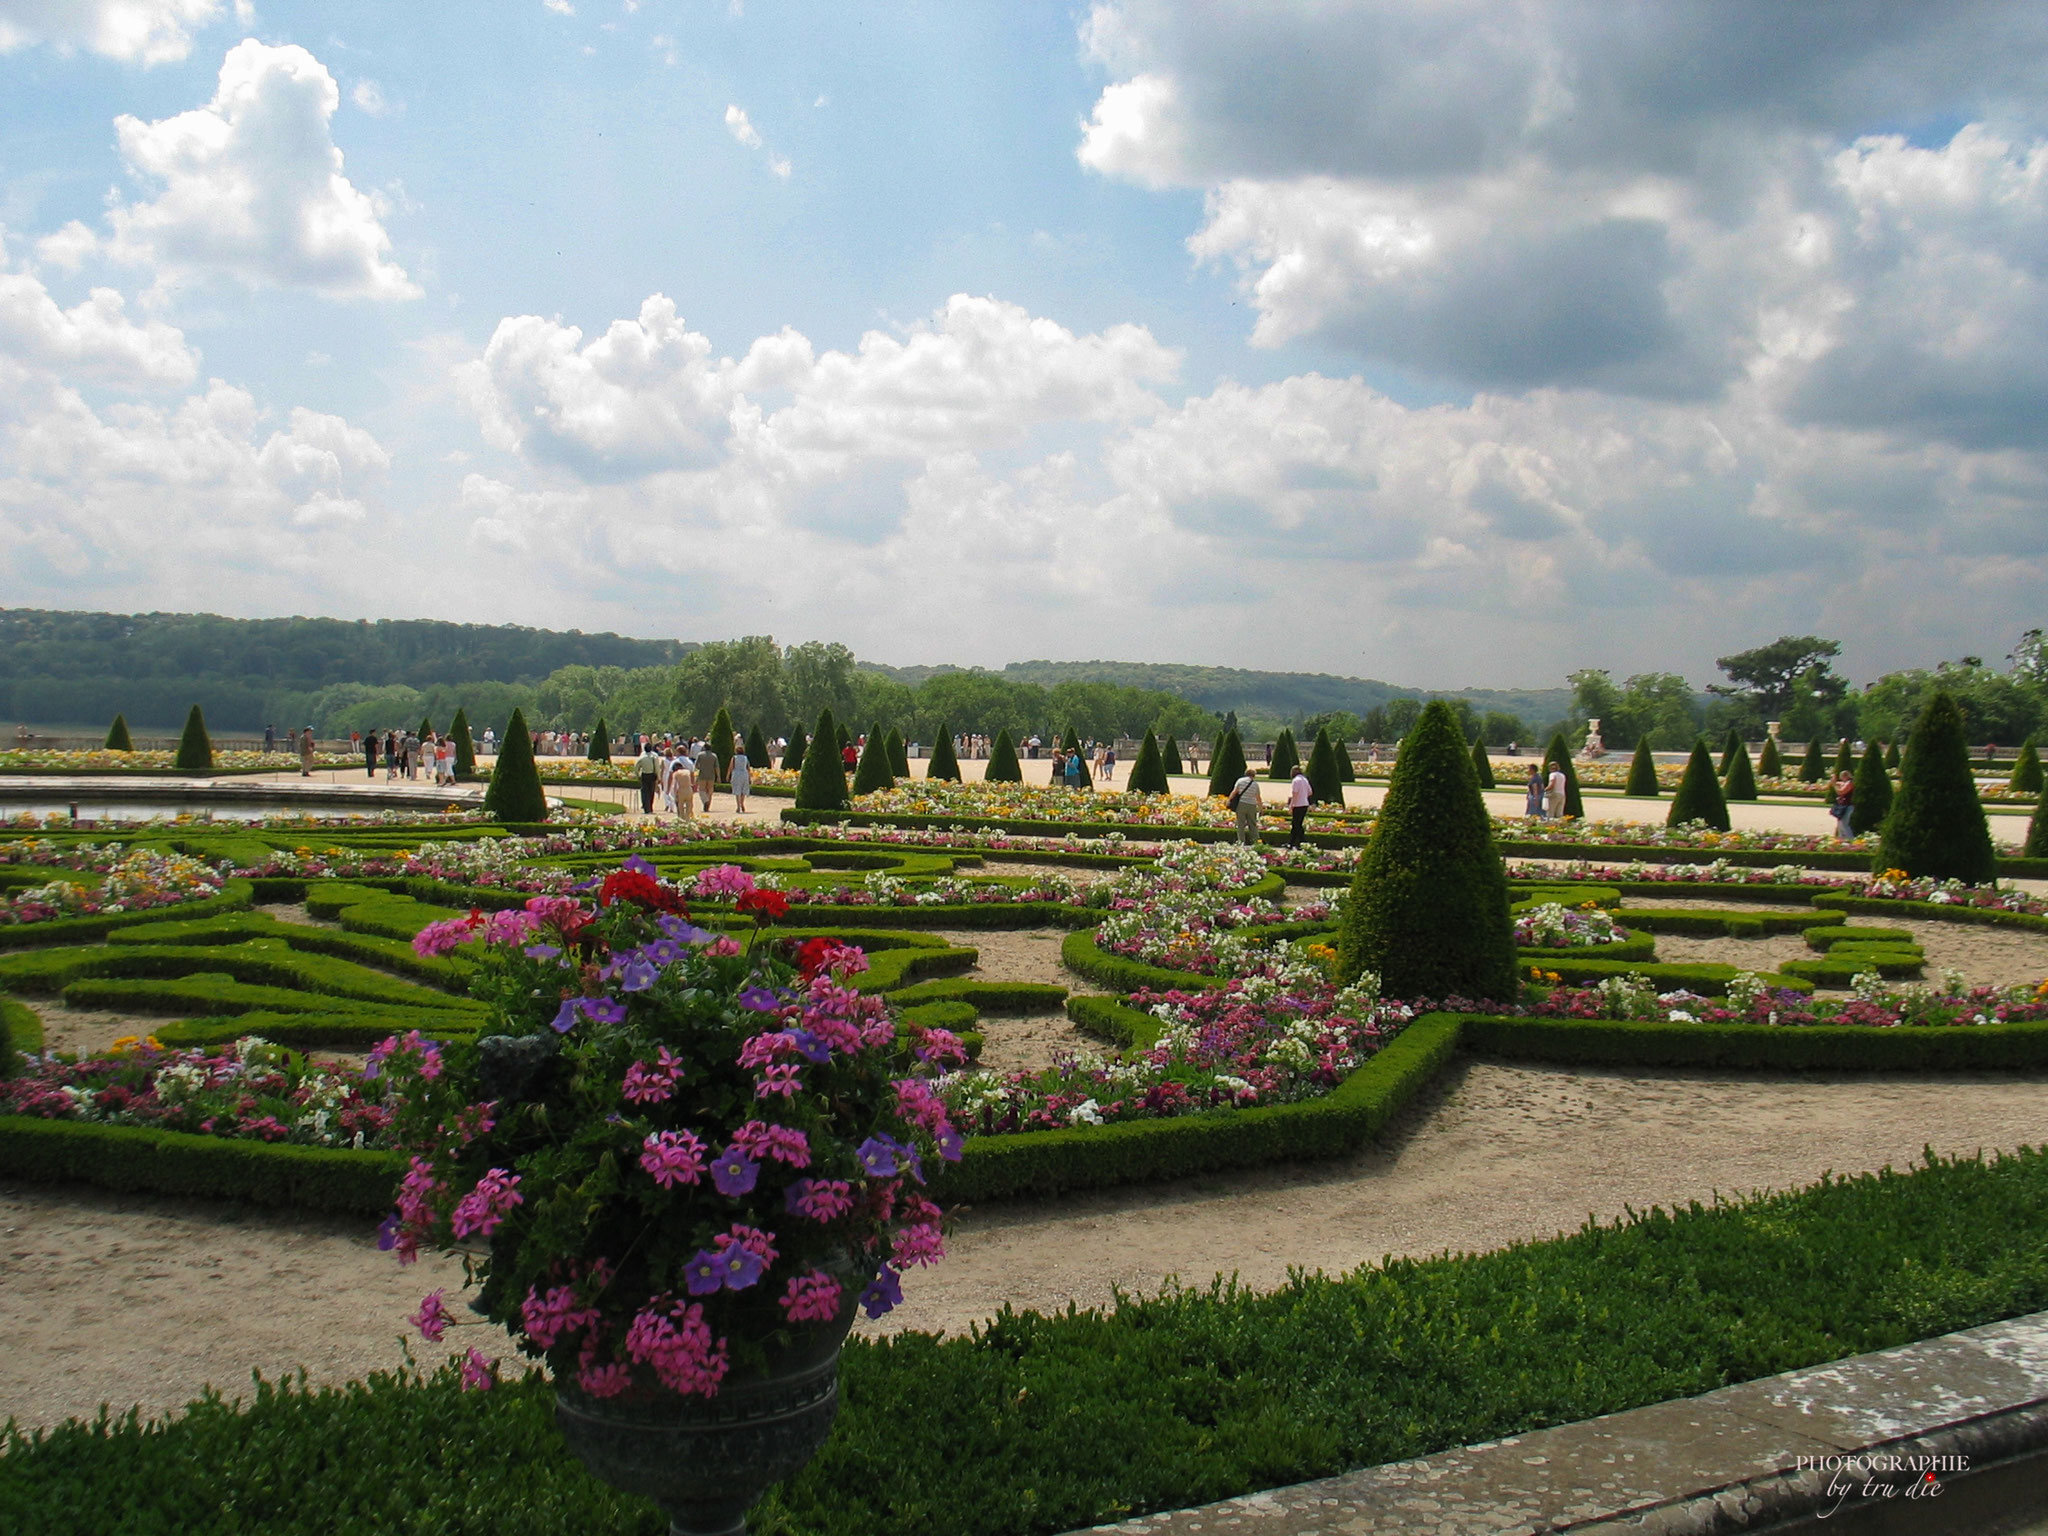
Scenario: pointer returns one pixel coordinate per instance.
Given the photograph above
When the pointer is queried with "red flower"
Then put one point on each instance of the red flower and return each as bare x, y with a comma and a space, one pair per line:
632, 885
812, 954
766, 906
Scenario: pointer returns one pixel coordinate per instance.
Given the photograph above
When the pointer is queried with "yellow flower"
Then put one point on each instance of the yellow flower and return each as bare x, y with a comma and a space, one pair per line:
124, 1045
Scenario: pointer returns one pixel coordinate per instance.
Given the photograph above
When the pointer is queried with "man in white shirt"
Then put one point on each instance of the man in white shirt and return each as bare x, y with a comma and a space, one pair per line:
1553, 794
648, 766
1299, 794
1244, 799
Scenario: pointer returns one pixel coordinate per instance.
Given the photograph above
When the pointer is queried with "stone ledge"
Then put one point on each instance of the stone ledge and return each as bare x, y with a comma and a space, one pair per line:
1967, 1410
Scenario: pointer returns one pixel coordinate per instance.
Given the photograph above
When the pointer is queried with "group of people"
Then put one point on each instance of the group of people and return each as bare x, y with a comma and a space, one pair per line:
684, 774
405, 754
1544, 798
1076, 769
1244, 800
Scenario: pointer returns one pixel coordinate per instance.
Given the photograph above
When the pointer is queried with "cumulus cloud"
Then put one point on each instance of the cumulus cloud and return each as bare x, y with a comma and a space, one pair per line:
253, 186
95, 338
741, 127
134, 31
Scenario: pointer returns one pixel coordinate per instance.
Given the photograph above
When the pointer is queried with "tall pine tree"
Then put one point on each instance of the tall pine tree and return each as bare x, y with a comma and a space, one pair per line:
1871, 800
1815, 766
793, 754
1741, 777
1559, 755
600, 743
722, 743
1169, 758
118, 739
1324, 777
465, 747
873, 771
1003, 767
1228, 766
1285, 756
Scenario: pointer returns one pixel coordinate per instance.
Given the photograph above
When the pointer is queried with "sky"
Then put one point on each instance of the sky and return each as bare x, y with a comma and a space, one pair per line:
1449, 343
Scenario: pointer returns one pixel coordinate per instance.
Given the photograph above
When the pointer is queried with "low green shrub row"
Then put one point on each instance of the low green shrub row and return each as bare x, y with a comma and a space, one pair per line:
21, 1029
987, 996
1637, 946
1080, 954
1827, 937
1761, 1047
265, 963
1705, 978
235, 896
449, 974
1731, 925
1113, 1020
1522, 895
1994, 917
330, 1031
1842, 966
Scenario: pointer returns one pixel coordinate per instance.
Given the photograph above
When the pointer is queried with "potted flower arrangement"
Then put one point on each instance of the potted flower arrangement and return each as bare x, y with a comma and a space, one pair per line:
677, 1166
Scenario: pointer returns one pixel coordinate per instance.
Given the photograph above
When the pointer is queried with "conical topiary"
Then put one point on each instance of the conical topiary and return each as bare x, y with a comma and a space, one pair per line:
1429, 904
1871, 800
1815, 766
1285, 756
1642, 773
1699, 793
1482, 765
757, 748
899, 753
945, 763
1003, 767
1741, 777
1728, 750
515, 793
1148, 768
793, 754
1937, 830
1769, 765
1345, 770
722, 743
2036, 845
821, 786
600, 743
195, 747
118, 739
1169, 758
1560, 755
2026, 777
845, 741
465, 746
1845, 759
426, 727
1891, 757
1228, 766
873, 772
1325, 779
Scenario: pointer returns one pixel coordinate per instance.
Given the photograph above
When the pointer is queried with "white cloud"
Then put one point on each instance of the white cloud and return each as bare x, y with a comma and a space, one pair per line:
253, 186
559, 7
743, 130
95, 338
369, 98
134, 31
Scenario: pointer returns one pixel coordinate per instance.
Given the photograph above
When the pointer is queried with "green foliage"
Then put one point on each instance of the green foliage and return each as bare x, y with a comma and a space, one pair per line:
118, 739
1871, 800
600, 742
945, 762
1740, 776
1936, 829
720, 737
1285, 756
1482, 765
1325, 777
1148, 769
465, 746
1891, 756
515, 794
1345, 768
1642, 773
1558, 755
899, 753
1699, 795
757, 747
793, 754
195, 747
1228, 765
1769, 765
20, 1030
1845, 758
1429, 903
2036, 846
426, 728
822, 784
1169, 758
1003, 767
2027, 778
1729, 748
874, 771
1814, 767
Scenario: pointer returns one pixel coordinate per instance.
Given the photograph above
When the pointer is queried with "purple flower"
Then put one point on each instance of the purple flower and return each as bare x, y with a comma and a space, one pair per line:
602, 1010
950, 1144
387, 1233
663, 951
640, 866
681, 929
760, 999
884, 1293
636, 973
809, 1045
705, 1272
734, 1173
541, 951
742, 1267
565, 1016
878, 1156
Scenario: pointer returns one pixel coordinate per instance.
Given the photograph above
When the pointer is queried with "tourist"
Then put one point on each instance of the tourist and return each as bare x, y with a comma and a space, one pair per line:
1842, 803
369, 755
1553, 794
306, 754
1299, 793
682, 784
444, 761
1244, 799
490, 741
270, 738
742, 780
849, 757
705, 770
1532, 806
648, 766
390, 756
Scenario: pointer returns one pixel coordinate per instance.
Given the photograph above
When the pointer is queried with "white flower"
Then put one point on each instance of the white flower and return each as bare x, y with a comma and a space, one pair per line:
1087, 1112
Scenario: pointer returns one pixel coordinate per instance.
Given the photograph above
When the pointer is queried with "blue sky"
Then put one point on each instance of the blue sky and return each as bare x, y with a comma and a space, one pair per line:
1455, 344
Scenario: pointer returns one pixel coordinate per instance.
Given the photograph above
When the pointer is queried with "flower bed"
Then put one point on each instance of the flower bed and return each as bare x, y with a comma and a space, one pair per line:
1186, 911
1749, 1000
118, 880
1552, 925
100, 760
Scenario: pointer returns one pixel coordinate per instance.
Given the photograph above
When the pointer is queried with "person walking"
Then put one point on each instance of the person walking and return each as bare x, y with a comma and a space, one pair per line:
682, 784
1299, 793
1553, 794
705, 771
1244, 799
648, 766
306, 754
270, 738
370, 755
742, 781
1532, 805
1842, 804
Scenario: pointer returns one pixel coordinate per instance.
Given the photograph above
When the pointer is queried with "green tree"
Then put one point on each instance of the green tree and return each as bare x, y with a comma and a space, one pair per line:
2036, 845
1845, 758
1871, 801
1741, 777
195, 747
793, 754
873, 772
2026, 777
1003, 767
1482, 765
821, 786
1729, 748
744, 675
1169, 758
1891, 755
1815, 766
1937, 830
1558, 755
1324, 777
426, 727
1761, 682
1148, 769
1642, 773
1429, 904
600, 742
899, 754
1769, 765
758, 755
945, 762
720, 741
818, 676
118, 739
515, 794
1285, 756
1699, 793
1228, 765
465, 747
1346, 769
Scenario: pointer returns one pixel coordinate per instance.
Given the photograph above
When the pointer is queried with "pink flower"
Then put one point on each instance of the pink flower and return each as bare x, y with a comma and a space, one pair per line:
674, 1339
439, 938
782, 1078
724, 944
721, 882
783, 1143
920, 1244
820, 1199
812, 1297
753, 1239
672, 1158
478, 1213
645, 1085
432, 1318
605, 1380
478, 1374
510, 927
762, 1050
551, 1318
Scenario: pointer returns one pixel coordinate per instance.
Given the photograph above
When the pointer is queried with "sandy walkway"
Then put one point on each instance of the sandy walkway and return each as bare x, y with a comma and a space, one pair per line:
140, 1300
1024, 1042
1999, 957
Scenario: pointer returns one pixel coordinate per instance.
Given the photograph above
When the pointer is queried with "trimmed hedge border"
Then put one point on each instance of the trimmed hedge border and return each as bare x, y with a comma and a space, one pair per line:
21, 1029
1080, 954
235, 896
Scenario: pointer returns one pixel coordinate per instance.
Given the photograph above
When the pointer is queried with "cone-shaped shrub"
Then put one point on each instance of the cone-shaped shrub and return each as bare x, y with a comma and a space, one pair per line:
873, 772
1728, 749
1482, 765
1003, 767
1769, 765
2036, 846
1148, 769
195, 747
1845, 759
1815, 766
1325, 780
2026, 769
1169, 757
1285, 756
1345, 770
1429, 904
1872, 799
1891, 757
465, 746
722, 743
515, 793
1741, 777
845, 741
793, 754
600, 743
822, 784
118, 739
426, 727
1699, 792
1561, 755
1936, 830
945, 763
899, 753
1073, 742
757, 747
1228, 767
1642, 772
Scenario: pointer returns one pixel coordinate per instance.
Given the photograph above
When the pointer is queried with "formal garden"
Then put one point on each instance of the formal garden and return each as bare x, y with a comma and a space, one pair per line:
699, 1105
